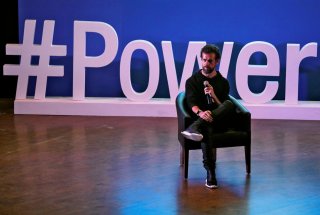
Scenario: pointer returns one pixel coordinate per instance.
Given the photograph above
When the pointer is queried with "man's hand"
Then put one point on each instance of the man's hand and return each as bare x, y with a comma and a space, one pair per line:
209, 90
206, 115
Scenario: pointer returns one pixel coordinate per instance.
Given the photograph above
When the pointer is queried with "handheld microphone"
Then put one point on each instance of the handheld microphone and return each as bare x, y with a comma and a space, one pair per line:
209, 99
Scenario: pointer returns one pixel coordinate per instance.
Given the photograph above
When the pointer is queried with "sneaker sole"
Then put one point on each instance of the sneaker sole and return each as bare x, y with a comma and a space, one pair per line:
211, 186
192, 136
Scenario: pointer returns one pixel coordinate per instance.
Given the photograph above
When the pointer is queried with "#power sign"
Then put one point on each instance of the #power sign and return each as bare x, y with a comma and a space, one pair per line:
100, 68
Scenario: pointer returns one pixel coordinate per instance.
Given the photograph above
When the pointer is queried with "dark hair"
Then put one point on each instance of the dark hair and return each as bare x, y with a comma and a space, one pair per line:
209, 48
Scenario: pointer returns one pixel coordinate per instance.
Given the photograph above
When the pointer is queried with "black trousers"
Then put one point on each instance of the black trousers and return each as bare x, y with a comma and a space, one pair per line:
222, 118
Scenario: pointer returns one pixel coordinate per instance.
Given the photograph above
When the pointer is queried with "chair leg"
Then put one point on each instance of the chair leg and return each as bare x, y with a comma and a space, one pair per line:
181, 156
186, 162
247, 151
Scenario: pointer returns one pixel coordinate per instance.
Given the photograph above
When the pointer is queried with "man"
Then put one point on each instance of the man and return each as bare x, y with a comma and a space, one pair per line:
207, 94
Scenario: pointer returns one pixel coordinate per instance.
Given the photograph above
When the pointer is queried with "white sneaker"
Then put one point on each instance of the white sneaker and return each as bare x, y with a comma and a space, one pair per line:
192, 136
211, 186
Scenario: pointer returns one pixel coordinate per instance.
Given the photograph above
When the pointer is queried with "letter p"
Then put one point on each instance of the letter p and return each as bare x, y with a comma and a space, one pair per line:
81, 61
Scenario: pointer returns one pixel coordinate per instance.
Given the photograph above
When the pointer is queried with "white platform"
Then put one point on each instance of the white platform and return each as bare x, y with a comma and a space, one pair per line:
305, 110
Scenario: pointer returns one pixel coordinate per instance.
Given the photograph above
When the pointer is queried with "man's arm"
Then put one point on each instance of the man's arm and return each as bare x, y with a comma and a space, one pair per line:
226, 91
206, 115
192, 99
191, 95
209, 90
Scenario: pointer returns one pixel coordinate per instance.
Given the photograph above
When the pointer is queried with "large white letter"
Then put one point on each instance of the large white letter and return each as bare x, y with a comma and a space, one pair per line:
193, 53
294, 58
154, 70
244, 69
81, 61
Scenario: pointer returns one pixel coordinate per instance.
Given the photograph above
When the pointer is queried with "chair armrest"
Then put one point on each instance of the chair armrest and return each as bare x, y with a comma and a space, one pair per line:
183, 115
181, 110
239, 106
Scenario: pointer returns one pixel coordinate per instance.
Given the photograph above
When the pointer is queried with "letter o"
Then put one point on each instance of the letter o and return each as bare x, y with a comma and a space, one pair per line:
154, 70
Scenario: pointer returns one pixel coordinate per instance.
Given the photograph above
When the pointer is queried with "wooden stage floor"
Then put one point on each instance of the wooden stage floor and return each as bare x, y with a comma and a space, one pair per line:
130, 165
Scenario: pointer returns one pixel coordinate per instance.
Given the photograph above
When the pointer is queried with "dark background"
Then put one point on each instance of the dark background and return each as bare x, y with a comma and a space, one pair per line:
9, 34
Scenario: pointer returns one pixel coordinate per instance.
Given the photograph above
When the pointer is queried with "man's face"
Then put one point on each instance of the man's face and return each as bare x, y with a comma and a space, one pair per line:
209, 62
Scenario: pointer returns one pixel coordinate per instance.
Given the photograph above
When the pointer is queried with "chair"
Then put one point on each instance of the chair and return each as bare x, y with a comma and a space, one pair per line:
239, 135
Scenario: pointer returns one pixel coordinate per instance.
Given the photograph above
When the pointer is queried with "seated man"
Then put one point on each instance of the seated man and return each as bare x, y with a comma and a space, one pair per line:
207, 93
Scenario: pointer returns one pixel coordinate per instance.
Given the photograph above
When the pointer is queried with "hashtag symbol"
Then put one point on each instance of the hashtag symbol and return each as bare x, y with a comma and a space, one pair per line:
44, 51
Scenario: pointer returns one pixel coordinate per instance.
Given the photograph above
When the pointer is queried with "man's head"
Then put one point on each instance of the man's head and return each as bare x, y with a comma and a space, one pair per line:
210, 57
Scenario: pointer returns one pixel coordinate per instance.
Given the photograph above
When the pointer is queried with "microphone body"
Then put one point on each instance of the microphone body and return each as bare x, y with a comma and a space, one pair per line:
209, 98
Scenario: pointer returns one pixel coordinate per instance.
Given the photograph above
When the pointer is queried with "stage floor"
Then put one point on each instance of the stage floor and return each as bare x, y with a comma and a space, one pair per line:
130, 165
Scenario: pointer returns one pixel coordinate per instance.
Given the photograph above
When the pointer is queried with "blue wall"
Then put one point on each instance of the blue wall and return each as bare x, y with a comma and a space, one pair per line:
275, 22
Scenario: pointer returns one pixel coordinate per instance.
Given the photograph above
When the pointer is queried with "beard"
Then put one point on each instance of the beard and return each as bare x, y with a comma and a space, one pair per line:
208, 70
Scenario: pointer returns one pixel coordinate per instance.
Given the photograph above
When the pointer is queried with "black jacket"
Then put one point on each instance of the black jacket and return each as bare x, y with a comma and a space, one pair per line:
195, 90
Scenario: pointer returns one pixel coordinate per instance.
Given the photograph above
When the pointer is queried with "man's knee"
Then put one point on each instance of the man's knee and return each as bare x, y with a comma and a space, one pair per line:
223, 109
228, 104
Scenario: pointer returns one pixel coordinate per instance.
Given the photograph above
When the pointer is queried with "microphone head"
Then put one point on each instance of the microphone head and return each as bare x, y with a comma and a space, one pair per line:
206, 83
